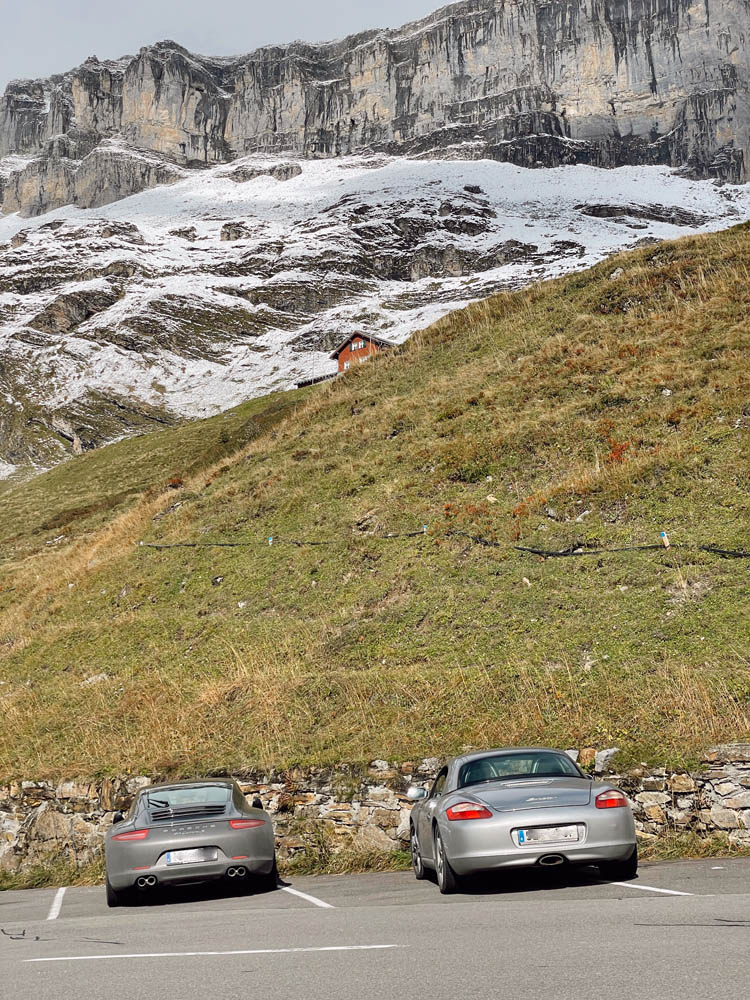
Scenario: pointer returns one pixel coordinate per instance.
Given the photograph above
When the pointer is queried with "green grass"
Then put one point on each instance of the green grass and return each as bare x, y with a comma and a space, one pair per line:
620, 405
330, 852
83, 493
347, 861
52, 874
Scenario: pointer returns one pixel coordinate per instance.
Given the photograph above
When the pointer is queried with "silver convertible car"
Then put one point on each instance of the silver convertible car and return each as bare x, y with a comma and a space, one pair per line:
193, 831
517, 808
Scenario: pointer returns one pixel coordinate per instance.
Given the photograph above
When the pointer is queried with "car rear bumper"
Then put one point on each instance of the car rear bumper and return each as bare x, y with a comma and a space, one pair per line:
607, 835
205, 871
581, 855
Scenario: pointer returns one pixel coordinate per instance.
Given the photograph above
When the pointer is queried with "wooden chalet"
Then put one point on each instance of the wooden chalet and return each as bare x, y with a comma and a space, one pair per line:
357, 348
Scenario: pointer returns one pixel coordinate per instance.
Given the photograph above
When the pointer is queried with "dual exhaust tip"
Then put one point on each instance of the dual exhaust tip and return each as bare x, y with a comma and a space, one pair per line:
149, 881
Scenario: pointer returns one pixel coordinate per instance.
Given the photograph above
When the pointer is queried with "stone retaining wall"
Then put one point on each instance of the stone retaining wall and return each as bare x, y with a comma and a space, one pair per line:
67, 821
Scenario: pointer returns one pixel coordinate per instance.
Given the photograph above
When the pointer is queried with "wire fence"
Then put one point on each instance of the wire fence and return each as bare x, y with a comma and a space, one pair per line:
577, 549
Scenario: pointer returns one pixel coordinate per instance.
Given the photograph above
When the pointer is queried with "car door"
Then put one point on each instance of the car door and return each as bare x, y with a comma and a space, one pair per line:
427, 814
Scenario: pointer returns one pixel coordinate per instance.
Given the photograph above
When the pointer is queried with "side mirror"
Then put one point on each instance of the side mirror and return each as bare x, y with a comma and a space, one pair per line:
414, 793
257, 804
118, 818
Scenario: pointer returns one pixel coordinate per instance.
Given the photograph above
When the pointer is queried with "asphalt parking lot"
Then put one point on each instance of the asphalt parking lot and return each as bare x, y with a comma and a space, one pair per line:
680, 929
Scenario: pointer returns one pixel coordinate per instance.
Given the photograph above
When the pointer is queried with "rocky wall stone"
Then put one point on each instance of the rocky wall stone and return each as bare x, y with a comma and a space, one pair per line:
69, 819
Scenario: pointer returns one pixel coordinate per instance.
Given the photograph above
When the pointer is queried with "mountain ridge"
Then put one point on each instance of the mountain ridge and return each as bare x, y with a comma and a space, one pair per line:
528, 82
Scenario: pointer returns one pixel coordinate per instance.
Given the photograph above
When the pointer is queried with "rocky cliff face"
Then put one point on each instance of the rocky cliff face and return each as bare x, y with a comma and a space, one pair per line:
532, 82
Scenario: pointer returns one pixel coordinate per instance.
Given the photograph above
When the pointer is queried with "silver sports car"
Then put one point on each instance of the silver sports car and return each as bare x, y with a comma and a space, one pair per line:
515, 808
192, 831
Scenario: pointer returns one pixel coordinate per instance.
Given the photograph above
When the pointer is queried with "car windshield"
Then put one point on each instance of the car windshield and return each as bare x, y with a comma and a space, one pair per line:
190, 795
509, 766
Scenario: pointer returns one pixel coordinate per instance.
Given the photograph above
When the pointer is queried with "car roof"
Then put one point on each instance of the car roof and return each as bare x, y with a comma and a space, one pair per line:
499, 751
194, 783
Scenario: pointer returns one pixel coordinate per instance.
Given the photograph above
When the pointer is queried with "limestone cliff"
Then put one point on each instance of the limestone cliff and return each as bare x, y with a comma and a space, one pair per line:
533, 82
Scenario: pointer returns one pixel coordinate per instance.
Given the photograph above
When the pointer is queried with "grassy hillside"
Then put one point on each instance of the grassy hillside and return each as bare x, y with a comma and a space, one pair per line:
591, 412
82, 494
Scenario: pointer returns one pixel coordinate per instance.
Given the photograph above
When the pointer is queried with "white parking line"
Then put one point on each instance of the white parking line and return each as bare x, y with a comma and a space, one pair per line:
54, 910
202, 954
652, 888
310, 899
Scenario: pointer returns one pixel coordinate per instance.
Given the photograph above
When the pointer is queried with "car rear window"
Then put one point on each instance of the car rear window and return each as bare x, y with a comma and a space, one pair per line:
504, 767
191, 800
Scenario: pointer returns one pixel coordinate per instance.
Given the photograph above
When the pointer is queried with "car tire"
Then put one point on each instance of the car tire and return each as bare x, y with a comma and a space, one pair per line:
417, 863
116, 897
620, 871
269, 882
448, 881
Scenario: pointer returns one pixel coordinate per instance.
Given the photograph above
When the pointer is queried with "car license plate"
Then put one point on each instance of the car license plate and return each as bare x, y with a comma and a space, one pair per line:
548, 834
191, 857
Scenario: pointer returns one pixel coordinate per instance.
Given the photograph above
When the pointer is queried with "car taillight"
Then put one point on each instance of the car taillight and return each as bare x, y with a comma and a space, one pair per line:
468, 810
133, 835
611, 800
245, 824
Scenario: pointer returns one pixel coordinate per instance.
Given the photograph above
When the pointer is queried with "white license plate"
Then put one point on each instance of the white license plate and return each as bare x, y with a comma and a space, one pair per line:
191, 857
547, 834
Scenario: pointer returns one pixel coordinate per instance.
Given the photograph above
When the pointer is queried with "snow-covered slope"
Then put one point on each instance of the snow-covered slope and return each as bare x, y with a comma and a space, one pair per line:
237, 280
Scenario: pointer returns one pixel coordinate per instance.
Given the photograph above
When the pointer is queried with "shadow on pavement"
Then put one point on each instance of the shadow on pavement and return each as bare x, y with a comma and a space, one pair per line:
530, 880
197, 892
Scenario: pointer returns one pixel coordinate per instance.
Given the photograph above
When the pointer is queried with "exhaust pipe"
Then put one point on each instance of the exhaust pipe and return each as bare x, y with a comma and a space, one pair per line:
238, 872
551, 860
146, 882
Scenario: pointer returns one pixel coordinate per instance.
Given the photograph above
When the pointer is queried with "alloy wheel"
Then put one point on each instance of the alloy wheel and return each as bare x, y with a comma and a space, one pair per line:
416, 856
447, 879
440, 860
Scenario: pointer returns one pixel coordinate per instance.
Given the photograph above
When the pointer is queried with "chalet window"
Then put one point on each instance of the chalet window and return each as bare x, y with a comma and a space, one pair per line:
347, 365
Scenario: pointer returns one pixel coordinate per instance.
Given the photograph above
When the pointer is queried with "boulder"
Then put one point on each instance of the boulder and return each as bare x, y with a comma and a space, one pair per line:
724, 819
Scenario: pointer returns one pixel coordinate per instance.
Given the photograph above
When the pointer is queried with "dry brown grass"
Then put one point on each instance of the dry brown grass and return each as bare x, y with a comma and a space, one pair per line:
678, 846
331, 852
364, 647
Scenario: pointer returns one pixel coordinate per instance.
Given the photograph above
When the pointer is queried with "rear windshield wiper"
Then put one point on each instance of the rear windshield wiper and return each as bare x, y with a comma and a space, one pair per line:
159, 803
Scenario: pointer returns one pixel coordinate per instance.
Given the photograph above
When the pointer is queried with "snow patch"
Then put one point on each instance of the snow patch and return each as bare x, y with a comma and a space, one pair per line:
305, 236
